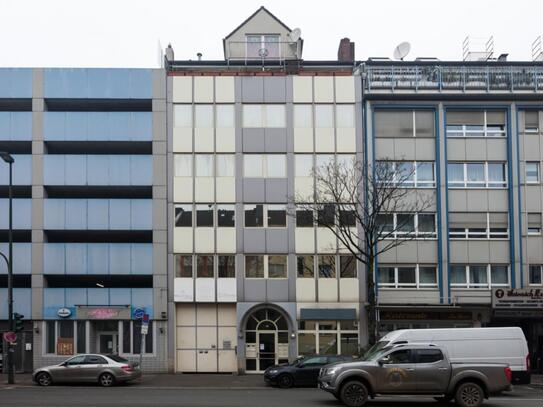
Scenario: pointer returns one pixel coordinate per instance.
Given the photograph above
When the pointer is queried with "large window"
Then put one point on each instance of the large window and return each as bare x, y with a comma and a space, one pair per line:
476, 123
328, 337
182, 165
410, 174
325, 116
404, 123
203, 115
205, 266
531, 121
534, 223
477, 175
258, 116
266, 266
263, 46
183, 215
183, 266
396, 225
305, 266
207, 215
479, 275
264, 165
532, 172
270, 216
536, 274
407, 276
478, 225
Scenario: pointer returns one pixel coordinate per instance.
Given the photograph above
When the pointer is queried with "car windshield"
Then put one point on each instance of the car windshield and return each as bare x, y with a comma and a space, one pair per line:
117, 358
298, 360
376, 350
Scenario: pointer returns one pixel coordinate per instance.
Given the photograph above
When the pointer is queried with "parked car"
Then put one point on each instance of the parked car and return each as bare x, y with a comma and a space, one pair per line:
414, 370
473, 345
106, 370
304, 371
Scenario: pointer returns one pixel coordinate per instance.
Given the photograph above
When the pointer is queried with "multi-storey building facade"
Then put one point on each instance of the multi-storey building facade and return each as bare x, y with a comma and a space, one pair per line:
89, 211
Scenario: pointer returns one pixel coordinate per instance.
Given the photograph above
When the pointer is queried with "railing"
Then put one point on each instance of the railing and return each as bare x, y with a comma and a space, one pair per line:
452, 77
264, 52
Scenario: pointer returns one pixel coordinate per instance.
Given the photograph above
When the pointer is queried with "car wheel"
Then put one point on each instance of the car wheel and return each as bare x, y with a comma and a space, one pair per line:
354, 394
443, 400
106, 380
285, 381
469, 395
44, 379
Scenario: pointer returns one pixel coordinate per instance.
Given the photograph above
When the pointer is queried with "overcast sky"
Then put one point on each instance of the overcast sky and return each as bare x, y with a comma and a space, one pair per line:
127, 33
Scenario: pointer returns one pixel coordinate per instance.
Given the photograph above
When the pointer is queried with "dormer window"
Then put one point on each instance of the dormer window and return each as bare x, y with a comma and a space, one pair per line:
263, 46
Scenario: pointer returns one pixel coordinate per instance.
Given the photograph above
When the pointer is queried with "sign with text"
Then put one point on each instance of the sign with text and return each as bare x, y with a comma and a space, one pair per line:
517, 298
105, 312
426, 315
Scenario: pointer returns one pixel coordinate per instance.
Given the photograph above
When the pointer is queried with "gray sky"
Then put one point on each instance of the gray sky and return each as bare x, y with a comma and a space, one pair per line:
117, 33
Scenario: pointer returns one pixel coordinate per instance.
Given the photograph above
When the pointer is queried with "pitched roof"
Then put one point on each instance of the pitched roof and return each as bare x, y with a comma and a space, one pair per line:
262, 8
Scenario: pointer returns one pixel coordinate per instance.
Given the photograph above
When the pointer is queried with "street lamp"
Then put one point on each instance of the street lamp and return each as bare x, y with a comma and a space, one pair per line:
9, 159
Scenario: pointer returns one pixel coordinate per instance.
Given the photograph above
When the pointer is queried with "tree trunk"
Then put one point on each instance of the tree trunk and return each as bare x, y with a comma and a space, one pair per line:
371, 308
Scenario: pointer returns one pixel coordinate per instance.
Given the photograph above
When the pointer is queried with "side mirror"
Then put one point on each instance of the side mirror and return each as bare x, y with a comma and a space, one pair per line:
384, 361
64, 364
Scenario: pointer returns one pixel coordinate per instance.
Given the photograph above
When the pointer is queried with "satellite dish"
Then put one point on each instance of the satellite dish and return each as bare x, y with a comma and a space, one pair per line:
401, 51
294, 35
262, 52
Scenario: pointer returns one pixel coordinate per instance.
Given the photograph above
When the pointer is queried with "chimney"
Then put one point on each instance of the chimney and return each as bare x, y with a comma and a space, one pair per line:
345, 52
169, 53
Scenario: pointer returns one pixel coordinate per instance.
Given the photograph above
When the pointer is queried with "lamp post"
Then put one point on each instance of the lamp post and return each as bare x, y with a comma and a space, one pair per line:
9, 159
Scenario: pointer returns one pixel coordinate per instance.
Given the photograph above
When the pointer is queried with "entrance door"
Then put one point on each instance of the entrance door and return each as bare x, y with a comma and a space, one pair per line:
266, 350
108, 343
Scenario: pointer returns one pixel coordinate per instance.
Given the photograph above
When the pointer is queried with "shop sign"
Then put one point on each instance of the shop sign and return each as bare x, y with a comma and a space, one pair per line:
121, 312
64, 312
426, 315
517, 298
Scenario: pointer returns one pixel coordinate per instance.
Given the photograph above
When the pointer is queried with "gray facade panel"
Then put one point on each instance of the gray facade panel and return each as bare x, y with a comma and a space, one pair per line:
275, 141
253, 140
254, 240
275, 89
252, 89
276, 190
255, 290
277, 290
254, 190
277, 241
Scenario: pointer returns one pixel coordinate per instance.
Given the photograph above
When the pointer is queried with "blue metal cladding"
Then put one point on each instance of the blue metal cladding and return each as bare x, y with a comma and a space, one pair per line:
55, 298
22, 170
22, 302
97, 126
98, 83
99, 170
98, 258
98, 214
15, 126
22, 263
15, 83
22, 211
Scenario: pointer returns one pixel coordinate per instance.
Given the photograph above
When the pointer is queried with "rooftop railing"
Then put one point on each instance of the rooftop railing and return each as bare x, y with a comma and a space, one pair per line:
503, 78
265, 52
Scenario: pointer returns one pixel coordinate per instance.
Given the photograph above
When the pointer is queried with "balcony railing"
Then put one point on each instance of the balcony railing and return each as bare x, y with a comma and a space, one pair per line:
455, 78
262, 52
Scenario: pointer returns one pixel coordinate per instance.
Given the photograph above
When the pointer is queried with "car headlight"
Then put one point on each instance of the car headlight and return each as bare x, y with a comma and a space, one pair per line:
331, 370
273, 371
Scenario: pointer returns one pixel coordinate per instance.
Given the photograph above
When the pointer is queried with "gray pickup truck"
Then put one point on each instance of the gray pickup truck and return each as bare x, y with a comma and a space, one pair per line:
414, 370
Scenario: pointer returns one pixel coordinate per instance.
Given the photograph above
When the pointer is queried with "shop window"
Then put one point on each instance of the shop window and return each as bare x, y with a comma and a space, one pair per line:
65, 337
327, 337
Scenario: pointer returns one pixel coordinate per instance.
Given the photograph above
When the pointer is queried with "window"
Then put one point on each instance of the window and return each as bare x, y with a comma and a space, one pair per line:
277, 216
534, 223
265, 215
531, 121
429, 355
76, 360
326, 215
266, 266
226, 215
204, 165
94, 360
254, 216
404, 123
204, 266
476, 123
477, 175
65, 332
183, 215
480, 275
327, 266
264, 166
183, 165
204, 215
303, 116
259, 116
225, 165
400, 357
183, 266
304, 218
328, 338
305, 266
409, 174
182, 115
422, 225
407, 276
347, 215
536, 274
227, 266
303, 165
532, 172
478, 225
347, 266
263, 46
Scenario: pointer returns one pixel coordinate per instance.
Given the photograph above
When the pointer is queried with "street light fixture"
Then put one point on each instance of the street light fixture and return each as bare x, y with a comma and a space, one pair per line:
10, 160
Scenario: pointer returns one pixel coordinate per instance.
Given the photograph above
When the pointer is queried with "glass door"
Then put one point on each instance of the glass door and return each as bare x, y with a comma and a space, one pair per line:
108, 343
266, 350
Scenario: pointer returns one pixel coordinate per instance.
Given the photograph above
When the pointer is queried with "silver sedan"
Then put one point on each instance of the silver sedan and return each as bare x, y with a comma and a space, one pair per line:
106, 370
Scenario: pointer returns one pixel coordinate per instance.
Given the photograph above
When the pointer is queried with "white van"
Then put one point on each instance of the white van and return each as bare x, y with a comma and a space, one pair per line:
479, 345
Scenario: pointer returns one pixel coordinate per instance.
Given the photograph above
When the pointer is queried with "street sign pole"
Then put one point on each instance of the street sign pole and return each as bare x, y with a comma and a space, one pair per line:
144, 330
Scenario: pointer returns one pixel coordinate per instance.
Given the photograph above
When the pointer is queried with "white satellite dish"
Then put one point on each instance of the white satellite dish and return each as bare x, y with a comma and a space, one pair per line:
294, 35
401, 51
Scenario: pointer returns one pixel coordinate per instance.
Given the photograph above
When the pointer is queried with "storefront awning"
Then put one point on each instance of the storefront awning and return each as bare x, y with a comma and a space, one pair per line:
331, 314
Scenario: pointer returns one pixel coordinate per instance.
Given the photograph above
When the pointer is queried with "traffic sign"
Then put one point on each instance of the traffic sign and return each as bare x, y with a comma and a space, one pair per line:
10, 337
139, 313
144, 329
145, 319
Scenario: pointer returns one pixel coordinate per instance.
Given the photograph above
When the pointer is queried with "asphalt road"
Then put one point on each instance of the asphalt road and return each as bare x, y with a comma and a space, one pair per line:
140, 395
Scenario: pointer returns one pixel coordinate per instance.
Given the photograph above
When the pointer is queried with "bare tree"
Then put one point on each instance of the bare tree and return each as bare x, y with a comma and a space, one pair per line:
357, 203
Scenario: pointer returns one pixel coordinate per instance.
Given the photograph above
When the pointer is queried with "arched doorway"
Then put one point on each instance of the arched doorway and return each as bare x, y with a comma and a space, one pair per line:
266, 340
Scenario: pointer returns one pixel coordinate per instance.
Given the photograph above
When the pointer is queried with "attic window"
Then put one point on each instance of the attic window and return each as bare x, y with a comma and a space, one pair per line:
263, 46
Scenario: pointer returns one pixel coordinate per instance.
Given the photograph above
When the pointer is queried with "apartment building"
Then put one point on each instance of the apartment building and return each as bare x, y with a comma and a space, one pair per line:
89, 211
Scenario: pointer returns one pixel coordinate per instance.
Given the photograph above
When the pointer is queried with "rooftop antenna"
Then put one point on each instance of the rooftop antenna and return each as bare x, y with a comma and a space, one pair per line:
401, 51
